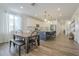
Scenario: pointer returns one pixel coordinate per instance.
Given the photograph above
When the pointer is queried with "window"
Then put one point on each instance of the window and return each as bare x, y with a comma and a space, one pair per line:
11, 22
14, 23
17, 23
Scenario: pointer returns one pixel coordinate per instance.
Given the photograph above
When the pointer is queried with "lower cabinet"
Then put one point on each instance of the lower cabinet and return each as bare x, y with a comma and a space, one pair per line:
46, 35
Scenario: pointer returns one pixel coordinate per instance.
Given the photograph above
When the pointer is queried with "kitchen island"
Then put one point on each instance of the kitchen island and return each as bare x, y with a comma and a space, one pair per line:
46, 35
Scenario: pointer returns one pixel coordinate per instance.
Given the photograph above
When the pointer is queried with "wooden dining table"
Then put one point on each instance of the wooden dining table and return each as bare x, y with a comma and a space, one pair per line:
26, 37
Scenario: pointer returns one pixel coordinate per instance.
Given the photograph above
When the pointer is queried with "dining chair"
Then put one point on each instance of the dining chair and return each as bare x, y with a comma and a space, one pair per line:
33, 42
18, 41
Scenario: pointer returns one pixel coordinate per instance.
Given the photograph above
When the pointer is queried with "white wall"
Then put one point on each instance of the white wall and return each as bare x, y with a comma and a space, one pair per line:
3, 27
30, 22
58, 29
67, 27
76, 18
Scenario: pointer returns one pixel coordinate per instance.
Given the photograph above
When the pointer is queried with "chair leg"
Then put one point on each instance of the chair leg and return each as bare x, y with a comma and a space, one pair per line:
38, 40
36, 44
14, 44
19, 50
28, 47
24, 47
10, 45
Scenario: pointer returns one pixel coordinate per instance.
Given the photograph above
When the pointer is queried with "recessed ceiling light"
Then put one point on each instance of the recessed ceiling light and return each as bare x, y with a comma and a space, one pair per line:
58, 9
21, 7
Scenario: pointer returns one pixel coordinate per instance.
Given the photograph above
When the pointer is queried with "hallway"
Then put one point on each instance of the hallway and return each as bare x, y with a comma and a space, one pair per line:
61, 46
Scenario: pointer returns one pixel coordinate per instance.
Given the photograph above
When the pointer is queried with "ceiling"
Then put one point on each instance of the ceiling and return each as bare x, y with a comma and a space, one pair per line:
49, 11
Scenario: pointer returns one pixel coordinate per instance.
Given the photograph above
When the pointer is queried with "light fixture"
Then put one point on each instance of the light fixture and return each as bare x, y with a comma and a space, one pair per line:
21, 7
58, 9
69, 22
45, 20
48, 21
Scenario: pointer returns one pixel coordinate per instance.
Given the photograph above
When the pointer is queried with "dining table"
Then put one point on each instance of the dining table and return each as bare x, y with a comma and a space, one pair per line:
26, 37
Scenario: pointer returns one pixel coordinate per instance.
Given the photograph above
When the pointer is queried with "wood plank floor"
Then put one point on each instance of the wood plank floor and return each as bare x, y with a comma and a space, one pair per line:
61, 46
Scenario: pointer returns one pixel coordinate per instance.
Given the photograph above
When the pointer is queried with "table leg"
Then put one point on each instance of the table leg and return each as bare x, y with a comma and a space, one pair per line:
28, 46
38, 41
